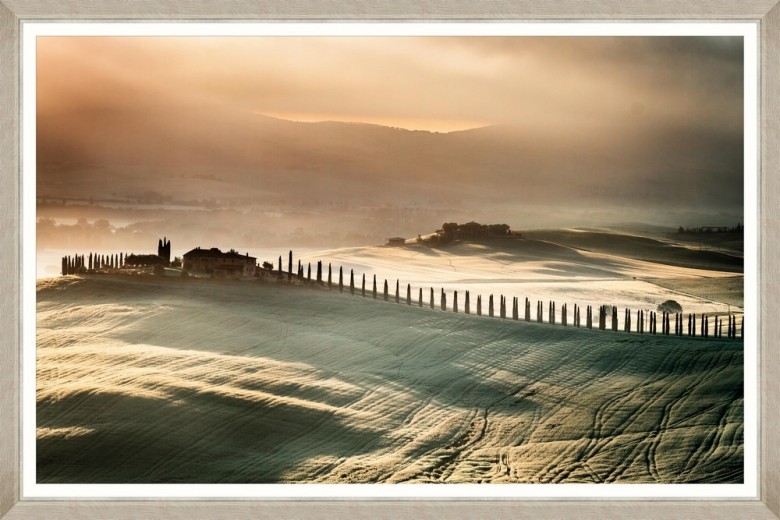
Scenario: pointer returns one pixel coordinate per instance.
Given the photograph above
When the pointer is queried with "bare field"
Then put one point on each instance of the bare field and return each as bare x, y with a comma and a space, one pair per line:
165, 380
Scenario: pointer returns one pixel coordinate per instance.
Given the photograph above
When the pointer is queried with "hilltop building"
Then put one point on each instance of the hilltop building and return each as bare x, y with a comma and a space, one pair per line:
220, 264
395, 241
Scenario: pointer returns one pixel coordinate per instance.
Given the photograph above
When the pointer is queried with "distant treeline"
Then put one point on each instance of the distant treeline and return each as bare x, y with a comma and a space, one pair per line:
712, 229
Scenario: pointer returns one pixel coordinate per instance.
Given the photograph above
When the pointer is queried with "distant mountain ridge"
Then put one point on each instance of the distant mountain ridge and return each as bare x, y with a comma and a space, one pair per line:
134, 149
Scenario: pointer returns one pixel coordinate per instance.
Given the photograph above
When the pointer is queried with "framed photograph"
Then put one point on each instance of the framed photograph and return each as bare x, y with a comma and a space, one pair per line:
456, 262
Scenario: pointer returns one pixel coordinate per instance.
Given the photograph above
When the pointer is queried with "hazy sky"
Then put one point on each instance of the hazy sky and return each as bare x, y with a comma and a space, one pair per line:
579, 125
431, 83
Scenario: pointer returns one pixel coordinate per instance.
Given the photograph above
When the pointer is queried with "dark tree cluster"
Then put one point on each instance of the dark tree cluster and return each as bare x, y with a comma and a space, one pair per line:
471, 231
164, 250
142, 260
739, 228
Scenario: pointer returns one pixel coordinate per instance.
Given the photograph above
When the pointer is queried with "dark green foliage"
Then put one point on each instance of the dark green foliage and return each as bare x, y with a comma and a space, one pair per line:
144, 260
670, 306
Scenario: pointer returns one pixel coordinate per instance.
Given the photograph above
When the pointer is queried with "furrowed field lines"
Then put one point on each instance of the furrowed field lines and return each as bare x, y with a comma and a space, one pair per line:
227, 382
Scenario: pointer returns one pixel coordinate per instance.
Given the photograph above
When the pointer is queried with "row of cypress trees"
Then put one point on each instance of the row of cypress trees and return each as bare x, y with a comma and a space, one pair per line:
647, 322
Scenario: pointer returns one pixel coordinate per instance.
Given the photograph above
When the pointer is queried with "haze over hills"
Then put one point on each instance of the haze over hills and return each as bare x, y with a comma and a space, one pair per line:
563, 132
255, 157
378, 181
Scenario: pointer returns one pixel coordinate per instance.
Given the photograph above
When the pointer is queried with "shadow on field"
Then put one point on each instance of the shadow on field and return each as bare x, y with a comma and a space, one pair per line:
189, 438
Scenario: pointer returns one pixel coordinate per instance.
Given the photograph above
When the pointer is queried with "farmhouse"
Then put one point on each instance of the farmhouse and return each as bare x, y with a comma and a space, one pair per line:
395, 241
220, 264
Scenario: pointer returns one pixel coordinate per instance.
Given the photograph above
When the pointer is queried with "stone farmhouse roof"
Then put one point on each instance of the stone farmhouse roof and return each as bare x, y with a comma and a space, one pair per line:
217, 254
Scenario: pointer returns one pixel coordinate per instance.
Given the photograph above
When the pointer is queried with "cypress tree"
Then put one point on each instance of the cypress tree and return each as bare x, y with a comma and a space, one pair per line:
455, 302
479, 305
676, 323
319, 271
289, 265
408, 294
385, 290
731, 326
308, 273
689, 324
280, 264
669, 323
703, 328
490, 306
351, 282
443, 301
614, 318
663, 321
655, 321
363, 286
419, 298
373, 292
589, 318
467, 304
639, 321
341, 279
397, 291
432, 297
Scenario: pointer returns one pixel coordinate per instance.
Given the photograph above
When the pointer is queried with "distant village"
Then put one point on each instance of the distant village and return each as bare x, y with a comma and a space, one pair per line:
212, 261
215, 263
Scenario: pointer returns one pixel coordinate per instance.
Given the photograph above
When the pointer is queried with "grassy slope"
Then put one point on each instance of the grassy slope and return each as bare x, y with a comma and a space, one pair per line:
176, 381
641, 248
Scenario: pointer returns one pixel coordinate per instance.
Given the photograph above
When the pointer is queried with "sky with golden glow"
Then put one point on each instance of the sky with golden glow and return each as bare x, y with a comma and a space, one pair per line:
426, 83
587, 123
